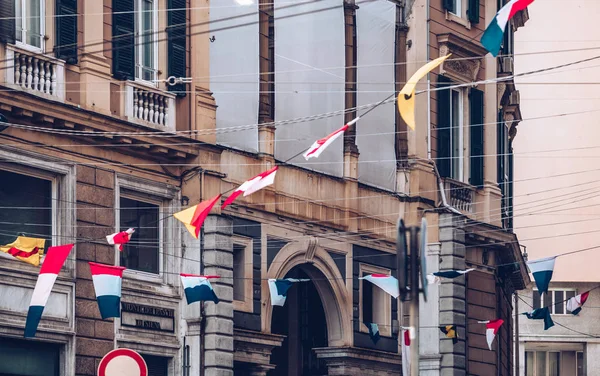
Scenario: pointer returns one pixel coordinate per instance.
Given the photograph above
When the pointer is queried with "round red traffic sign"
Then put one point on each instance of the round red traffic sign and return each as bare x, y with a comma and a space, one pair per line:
122, 362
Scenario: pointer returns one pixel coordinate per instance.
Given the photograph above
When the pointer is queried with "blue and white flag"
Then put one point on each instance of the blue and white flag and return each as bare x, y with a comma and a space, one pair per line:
373, 332
436, 278
542, 272
279, 288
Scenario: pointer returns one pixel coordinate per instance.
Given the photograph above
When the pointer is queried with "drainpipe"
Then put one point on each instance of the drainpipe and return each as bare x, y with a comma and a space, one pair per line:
202, 317
517, 353
428, 91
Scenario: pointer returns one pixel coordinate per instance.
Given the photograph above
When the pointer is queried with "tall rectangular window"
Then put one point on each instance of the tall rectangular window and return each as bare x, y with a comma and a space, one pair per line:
239, 277
146, 28
580, 364
28, 203
375, 304
29, 358
143, 252
456, 135
457, 7
555, 300
30, 22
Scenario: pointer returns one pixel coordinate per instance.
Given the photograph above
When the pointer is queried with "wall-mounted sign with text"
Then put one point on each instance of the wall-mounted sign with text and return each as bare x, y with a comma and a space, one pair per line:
148, 317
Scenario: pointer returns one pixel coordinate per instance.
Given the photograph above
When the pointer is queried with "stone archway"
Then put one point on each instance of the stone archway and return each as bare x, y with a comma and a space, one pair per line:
329, 283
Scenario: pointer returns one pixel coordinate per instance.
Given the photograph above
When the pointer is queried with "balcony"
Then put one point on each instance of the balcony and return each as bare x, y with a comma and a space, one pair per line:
34, 73
149, 106
461, 196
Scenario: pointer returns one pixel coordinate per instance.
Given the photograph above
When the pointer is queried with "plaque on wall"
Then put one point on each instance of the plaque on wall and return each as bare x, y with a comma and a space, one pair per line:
147, 317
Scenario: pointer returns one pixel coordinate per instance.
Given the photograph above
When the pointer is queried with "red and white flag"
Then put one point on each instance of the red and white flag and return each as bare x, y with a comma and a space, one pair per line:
405, 351
257, 183
120, 238
317, 148
492, 327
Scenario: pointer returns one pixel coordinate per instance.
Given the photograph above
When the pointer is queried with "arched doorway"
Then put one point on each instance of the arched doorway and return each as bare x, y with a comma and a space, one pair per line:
302, 320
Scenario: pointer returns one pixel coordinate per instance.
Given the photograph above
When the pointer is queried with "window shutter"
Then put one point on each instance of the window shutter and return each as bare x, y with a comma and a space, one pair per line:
443, 128
476, 142
501, 129
176, 27
7, 21
449, 5
123, 29
473, 11
66, 30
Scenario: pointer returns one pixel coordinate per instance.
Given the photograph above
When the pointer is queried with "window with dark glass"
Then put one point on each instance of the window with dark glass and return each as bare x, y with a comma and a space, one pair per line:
367, 301
555, 300
29, 358
239, 275
142, 253
26, 203
157, 365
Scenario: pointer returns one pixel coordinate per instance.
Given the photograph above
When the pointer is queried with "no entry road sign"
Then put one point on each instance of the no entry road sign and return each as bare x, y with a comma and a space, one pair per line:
122, 362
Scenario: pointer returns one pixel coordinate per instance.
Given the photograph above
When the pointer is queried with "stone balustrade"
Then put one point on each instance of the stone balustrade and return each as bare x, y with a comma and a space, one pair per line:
35, 73
149, 106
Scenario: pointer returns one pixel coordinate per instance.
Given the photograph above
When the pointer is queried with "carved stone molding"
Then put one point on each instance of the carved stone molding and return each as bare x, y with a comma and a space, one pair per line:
501, 90
255, 348
463, 71
311, 248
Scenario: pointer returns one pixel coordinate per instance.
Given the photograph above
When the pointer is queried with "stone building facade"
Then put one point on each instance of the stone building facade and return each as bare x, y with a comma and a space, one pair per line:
103, 143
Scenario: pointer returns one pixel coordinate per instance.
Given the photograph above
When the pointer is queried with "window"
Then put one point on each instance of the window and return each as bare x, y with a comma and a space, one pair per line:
456, 7
555, 300
28, 202
242, 274
157, 365
29, 23
146, 27
375, 304
456, 135
29, 358
144, 251
553, 363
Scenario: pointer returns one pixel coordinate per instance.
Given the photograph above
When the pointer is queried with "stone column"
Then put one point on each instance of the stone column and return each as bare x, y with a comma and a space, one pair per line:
95, 219
452, 294
218, 332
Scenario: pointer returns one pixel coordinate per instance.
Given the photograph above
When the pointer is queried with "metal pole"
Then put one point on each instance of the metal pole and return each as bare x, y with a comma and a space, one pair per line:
517, 354
414, 300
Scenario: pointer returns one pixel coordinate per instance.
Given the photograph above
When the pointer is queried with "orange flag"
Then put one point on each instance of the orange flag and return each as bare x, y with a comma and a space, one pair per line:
194, 216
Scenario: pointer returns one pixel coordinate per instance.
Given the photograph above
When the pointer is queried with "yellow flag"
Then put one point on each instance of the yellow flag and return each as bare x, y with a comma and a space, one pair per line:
193, 217
26, 249
406, 97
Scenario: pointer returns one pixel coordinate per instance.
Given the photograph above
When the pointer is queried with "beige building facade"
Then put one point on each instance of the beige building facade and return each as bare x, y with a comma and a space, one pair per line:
96, 141
556, 186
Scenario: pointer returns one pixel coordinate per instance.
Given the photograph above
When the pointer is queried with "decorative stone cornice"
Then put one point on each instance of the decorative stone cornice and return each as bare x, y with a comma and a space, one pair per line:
464, 71
255, 347
311, 248
359, 361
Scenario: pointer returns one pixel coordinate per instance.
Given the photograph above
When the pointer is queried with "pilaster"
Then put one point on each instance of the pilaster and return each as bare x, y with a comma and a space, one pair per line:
218, 318
452, 294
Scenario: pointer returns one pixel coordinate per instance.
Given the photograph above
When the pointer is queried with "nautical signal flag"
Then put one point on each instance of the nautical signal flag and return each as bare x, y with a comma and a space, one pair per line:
436, 278
385, 282
197, 288
575, 303
406, 97
492, 327
320, 145
405, 351
450, 332
373, 332
26, 249
541, 314
120, 238
258, 182
194, 217
278, 289
55, 259
107, 284
542, 272
494, 34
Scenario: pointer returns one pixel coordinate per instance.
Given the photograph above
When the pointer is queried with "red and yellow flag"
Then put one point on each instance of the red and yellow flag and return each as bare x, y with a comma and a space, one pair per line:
26, 249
